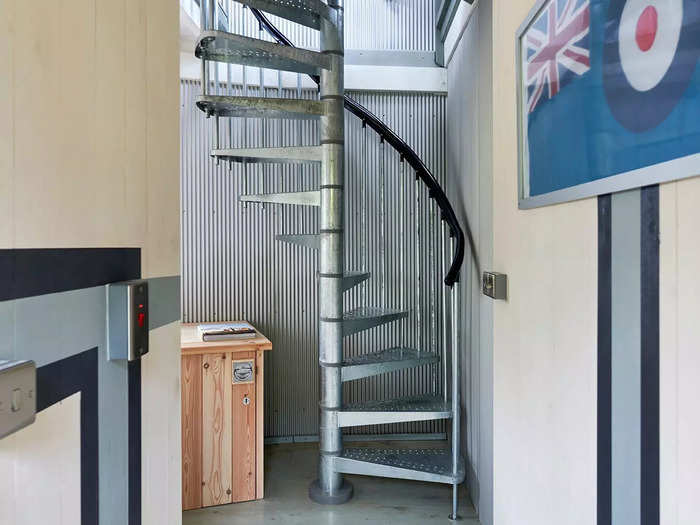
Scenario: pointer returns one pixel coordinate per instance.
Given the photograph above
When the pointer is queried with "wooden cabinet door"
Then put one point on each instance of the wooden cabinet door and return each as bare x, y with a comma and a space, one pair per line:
244, 433
191, 432
216, 429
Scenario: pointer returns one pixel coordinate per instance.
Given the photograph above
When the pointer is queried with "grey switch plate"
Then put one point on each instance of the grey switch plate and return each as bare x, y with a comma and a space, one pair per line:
495, 285
17, 396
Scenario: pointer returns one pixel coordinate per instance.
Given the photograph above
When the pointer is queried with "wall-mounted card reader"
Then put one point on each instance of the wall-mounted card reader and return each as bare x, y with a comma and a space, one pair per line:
127, 320
17, 396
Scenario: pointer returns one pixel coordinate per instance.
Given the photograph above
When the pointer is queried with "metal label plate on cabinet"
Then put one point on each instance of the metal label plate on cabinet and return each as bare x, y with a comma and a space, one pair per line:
243, 371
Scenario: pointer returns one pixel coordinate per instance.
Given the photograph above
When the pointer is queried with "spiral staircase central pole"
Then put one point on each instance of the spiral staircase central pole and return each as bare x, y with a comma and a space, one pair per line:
330, 487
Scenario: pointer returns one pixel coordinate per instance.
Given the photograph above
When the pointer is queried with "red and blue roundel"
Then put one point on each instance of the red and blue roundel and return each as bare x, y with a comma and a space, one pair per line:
649, 56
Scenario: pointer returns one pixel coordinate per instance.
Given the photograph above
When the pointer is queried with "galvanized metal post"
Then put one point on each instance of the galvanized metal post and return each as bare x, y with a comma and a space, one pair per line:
203, 27
456, 320
445, 340
330, 487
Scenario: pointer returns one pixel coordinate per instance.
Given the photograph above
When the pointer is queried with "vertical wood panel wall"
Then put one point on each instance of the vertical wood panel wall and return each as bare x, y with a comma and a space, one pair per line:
234, 269
89, 158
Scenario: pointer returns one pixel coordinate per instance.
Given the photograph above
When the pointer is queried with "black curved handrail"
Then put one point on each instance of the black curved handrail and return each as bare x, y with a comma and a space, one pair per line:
435, 191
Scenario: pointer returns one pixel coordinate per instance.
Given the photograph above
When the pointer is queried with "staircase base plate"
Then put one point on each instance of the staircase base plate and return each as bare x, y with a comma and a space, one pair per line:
317, 495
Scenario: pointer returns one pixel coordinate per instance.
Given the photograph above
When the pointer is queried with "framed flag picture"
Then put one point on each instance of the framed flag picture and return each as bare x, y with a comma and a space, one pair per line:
608, 97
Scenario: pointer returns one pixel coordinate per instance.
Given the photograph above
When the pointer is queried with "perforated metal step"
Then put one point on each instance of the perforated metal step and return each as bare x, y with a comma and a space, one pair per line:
433, 465
304, 12
290, 155
352, 279
365, 318
385, 361
260, 107
417, 408
220, 46
298, 198
306, 240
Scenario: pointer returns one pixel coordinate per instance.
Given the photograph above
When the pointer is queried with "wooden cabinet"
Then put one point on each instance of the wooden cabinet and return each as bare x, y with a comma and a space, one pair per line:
222, 420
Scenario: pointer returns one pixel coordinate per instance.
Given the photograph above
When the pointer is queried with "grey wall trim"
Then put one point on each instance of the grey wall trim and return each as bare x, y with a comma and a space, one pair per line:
53, 327
48, 328
372, 57
626, 358
163, 301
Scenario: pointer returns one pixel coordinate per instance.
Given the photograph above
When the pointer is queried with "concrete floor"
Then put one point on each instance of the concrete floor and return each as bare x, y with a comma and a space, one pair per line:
290, 468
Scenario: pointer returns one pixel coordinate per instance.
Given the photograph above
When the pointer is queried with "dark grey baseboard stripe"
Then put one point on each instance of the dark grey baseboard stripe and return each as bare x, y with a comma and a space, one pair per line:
30, 272
650, 451
604, 471
135, 443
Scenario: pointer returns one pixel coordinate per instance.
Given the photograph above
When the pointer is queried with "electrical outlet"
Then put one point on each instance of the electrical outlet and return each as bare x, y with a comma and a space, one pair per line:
495, 285
17, 396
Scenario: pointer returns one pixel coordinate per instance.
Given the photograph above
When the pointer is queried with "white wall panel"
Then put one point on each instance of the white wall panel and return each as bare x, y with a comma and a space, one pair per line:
43, 460
160, 398
680, 359
469, 104
89, 158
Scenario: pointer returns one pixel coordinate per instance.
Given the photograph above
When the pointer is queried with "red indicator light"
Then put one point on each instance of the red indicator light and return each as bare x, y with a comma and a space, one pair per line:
140, 306
141, 319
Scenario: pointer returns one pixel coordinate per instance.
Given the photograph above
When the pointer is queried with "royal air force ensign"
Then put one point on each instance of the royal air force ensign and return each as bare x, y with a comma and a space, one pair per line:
608, 88
650, 55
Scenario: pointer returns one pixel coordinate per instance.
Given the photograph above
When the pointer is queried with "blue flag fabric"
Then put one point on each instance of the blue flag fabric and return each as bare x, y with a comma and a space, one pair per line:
611, 86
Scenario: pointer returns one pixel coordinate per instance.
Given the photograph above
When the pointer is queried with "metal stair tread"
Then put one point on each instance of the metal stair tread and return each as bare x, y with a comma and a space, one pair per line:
384, 362
304, 12
388, 356
352, 279
297, 198
425, 464
221, 46
260, 107
425, 403
286, 155
305, 240
365, 318
368, 312
400, 410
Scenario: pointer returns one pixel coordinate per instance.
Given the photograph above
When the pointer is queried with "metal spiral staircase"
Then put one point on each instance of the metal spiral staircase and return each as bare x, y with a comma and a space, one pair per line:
326, 68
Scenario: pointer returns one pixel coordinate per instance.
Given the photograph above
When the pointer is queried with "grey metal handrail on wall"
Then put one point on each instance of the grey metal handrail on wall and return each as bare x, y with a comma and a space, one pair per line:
435, 191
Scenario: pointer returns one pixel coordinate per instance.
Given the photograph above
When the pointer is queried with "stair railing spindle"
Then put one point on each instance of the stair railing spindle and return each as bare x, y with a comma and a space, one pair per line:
261, 76
444, 292
203, 26
244, 74
455, 318
417, 255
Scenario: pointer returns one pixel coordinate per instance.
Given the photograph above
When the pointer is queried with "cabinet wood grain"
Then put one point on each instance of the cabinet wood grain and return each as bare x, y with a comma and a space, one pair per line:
216, 424
222, 422
191, 432
244, 416
260, 424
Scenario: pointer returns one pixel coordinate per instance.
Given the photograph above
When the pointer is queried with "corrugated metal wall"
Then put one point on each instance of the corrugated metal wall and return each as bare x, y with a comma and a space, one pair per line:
232, 268
382, 25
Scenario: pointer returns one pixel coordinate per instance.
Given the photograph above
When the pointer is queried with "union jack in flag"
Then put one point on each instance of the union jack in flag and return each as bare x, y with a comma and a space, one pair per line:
555, 47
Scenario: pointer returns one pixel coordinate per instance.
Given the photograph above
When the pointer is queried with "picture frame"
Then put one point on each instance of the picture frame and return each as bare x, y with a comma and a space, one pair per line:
674, 168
